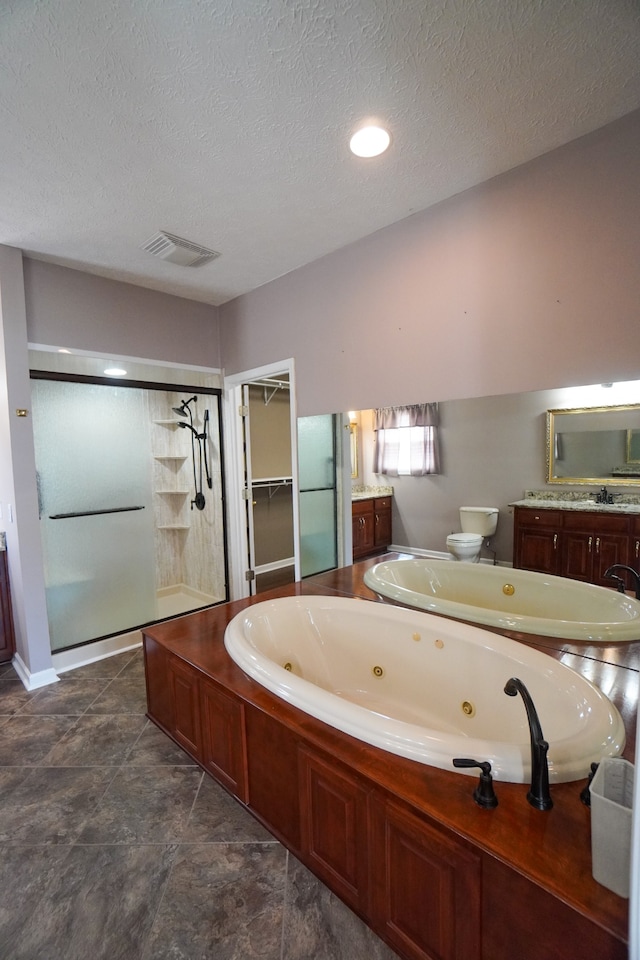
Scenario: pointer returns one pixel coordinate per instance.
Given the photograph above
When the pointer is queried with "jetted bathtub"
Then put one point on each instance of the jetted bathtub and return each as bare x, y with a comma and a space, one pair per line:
422, 687
509, 599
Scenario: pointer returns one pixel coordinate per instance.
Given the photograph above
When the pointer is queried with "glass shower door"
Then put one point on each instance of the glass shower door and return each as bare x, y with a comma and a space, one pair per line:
318, 504
94, 480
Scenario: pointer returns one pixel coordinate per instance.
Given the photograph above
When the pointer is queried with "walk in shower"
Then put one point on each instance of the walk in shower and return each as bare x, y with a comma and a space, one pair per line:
131, 506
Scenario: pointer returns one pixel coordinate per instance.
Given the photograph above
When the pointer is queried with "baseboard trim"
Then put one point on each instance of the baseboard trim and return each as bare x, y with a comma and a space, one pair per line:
441, 555
33, 681
98, 650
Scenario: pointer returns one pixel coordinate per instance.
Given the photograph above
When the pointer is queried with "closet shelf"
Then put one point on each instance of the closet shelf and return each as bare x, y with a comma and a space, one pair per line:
272, 484
270, 481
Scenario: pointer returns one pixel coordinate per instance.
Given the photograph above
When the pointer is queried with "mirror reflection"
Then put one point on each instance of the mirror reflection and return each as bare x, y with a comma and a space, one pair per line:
593, 445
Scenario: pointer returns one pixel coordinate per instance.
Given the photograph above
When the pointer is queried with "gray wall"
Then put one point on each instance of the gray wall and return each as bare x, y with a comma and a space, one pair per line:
527, 282
68, 308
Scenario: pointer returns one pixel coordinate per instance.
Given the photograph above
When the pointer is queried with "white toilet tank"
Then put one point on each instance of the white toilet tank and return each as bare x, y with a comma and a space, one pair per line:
480, 520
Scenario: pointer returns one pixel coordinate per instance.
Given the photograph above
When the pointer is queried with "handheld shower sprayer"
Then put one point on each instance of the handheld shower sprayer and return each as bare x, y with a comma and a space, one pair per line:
201, 439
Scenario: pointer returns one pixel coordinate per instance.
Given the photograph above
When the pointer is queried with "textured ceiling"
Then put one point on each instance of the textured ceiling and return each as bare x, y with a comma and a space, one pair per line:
227, 121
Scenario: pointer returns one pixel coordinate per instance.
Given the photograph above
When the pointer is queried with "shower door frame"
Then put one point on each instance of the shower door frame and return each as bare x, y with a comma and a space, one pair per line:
217, 392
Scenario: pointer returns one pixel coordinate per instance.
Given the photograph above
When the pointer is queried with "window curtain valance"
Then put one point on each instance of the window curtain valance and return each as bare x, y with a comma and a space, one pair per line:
406, 440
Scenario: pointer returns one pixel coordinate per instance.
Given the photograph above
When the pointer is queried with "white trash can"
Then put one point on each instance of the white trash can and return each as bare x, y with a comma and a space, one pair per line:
611, 814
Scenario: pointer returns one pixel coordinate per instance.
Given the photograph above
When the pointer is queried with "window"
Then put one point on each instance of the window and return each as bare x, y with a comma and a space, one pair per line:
406, 441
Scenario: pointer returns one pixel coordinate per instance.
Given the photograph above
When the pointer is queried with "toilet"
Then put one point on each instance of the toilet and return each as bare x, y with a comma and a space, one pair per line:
477, 524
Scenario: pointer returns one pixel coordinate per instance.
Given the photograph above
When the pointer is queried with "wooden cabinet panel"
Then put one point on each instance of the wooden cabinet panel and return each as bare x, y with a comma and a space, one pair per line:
426, 888
537, 540
186, 705
521, 920
371, 525
272, 767
7, 636
382, 522
333, 810
362, 523
160, 703
223, 740
610, 548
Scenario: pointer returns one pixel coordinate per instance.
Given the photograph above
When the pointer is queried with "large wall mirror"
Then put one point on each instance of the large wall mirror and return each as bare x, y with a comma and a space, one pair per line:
594, 445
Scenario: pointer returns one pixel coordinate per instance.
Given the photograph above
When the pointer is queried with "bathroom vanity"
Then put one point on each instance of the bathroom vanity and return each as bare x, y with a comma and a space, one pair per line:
403, 844
371, 524
572, 541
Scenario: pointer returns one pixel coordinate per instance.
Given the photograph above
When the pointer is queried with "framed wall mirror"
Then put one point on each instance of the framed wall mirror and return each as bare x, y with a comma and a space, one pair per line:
595, 445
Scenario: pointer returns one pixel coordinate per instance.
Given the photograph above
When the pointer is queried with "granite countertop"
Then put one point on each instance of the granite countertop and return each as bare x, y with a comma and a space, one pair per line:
366, 493
572, 500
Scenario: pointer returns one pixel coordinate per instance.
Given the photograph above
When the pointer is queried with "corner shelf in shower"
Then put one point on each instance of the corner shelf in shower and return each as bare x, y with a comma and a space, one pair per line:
176, 493
173, 526
167, 456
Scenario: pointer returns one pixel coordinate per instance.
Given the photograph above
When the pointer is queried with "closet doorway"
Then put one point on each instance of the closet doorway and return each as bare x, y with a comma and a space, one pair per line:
261, 432
266, 421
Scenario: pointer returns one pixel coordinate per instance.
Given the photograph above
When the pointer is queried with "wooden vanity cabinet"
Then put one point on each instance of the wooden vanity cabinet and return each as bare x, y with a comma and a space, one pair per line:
371, 525
575, 544
7, 637
536, 540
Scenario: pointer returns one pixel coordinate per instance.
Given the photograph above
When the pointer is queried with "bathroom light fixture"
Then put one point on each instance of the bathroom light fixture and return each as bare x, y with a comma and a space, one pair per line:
115, 372
369, 141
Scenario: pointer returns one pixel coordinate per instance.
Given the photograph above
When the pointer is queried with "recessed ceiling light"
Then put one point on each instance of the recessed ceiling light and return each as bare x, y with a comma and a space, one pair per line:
369, 141
115, 372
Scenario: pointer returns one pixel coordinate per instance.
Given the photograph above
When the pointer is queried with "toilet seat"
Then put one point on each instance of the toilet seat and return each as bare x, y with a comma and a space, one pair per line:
468, 538
465, 546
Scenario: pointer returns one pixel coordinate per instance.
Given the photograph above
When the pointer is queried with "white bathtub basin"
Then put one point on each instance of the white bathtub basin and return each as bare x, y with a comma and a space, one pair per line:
425, 688
509, 599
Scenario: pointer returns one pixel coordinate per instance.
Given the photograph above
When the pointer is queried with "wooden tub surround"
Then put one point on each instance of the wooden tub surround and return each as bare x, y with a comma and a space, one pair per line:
404, 845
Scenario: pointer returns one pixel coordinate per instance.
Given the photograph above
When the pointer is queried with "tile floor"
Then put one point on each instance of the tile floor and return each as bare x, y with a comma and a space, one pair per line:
113, 844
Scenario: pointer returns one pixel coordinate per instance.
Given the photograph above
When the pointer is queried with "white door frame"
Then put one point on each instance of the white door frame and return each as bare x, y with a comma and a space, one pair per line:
234, 455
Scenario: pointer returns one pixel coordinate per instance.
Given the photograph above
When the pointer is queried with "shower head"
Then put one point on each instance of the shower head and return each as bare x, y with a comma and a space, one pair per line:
187, 426
183, 409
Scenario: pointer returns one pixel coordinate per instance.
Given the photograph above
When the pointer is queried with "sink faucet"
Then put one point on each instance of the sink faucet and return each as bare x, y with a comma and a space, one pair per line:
619, 581
603, 496
538, 796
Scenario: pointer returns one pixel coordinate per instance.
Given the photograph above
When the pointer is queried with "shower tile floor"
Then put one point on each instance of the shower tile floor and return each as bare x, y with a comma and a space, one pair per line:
113, 844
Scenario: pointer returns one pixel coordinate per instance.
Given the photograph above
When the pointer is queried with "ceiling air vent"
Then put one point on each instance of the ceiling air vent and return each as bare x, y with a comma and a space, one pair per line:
176, 250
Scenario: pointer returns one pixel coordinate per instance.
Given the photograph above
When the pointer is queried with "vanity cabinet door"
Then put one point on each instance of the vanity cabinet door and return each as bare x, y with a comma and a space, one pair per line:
425, 887
382, 522
537, 537
591, 544
362, 515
